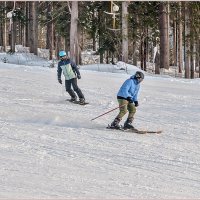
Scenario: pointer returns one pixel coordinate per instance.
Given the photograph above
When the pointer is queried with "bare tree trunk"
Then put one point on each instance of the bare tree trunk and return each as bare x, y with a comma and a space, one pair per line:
94, 43
180, 41
67, 43
142, 53
125, 31
13, 31
34, 27
164, 38
1, 26
198, 55
27, 31
74, 32
21, 28
145, 48
100, 18
192, 48
94, 46
135, 44
58, 44
174, 58
49, 34
13, 36
187, 43
1, 34
145, 54
106, 56
198, 50
5, 29
192, 58
79, 46
134, 53
157, 63
21, 24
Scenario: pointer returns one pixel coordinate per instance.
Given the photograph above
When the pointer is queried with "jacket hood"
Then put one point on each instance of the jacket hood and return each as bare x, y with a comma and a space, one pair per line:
135, 80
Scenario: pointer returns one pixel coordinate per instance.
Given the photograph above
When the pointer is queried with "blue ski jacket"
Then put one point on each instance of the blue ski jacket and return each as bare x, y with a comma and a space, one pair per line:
129, 88
69, 69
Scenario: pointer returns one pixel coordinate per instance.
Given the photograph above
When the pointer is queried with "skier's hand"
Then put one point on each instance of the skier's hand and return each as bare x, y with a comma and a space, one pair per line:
79, 76
129, 99
136, 103
60, 81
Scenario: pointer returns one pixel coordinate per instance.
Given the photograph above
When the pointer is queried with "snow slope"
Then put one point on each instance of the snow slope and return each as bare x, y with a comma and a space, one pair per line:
50, 148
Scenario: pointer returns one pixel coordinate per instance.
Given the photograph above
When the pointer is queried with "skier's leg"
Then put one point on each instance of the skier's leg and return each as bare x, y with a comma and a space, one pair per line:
77, 89
122, 109
69, 90
122, 112
132, 110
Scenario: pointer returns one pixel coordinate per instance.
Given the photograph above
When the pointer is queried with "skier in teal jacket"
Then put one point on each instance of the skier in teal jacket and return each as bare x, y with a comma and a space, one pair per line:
127, 99
71, 73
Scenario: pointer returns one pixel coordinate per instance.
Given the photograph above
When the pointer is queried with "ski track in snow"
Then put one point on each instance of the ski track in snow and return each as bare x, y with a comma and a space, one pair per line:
50, 148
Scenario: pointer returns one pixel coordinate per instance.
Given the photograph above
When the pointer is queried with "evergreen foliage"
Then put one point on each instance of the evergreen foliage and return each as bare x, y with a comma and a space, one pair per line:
95, 26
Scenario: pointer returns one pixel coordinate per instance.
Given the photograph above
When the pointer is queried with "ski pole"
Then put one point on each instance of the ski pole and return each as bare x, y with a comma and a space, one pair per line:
108, 112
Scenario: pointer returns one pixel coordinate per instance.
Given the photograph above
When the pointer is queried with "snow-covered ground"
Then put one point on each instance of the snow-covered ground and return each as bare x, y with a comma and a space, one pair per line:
50, 148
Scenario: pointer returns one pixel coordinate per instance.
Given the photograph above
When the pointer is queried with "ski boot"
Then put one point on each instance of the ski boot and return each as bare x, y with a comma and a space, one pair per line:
115, 124
128, 124
81, 101
73, 99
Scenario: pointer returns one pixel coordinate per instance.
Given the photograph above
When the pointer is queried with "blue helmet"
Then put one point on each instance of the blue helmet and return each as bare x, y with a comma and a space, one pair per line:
62, 53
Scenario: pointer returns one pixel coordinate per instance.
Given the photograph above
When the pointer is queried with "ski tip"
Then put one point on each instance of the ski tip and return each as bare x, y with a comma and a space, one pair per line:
158, 132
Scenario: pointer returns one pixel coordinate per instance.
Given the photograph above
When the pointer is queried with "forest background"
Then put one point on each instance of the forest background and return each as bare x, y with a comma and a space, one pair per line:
156, 36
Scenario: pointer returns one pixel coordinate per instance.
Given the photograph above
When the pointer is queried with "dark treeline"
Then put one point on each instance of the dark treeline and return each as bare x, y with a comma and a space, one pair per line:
164, 33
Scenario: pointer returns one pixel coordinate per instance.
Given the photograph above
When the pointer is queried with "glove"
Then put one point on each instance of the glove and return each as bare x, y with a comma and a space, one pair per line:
79, 76
60, 81
136, 103
129, 100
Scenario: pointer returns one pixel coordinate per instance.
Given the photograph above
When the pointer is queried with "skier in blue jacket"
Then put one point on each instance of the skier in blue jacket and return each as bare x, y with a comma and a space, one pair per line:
128, 101
71, 73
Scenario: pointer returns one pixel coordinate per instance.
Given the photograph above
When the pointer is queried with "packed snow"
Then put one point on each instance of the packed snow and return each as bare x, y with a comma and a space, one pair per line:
50, 148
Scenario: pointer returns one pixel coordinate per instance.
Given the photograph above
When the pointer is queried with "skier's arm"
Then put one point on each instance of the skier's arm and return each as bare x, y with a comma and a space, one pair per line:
75, 68
59, 72
135, 98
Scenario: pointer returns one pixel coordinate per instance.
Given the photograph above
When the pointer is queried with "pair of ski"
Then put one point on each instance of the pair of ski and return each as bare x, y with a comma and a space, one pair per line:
78, 102
134, 130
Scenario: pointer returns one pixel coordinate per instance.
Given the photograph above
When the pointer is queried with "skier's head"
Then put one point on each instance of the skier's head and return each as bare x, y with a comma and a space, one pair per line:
62, 55
139, 76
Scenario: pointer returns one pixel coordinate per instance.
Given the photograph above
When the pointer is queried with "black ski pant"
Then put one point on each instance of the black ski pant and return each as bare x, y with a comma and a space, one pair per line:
73, 82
